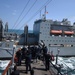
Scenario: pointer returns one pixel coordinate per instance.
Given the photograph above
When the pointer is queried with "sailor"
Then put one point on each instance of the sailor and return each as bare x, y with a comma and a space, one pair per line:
44, 51
19, 56
23, 52
47, 61
28, 61
32, 72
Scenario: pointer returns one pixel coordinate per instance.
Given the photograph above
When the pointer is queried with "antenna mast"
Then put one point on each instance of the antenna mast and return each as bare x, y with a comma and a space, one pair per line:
40, 14
45, 13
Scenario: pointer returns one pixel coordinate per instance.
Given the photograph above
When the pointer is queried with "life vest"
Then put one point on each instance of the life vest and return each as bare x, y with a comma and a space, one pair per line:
52, 57
15, 59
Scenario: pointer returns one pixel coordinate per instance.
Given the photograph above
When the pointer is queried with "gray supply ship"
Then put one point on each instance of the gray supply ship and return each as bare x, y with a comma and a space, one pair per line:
58, 36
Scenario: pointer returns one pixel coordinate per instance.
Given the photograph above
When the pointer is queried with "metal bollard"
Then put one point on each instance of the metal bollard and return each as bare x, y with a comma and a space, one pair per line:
56, 59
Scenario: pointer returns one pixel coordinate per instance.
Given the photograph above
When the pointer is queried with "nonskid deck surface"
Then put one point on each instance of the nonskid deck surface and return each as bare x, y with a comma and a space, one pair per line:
38, 67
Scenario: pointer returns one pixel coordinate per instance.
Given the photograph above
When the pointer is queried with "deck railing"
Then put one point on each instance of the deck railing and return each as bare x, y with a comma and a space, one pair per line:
7, 71
56, 69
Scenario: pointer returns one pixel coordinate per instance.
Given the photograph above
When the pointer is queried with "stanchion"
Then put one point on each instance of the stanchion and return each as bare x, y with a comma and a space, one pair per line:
57, 55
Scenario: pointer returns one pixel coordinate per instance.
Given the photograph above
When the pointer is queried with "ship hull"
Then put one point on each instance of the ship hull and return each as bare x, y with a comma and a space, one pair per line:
63, 51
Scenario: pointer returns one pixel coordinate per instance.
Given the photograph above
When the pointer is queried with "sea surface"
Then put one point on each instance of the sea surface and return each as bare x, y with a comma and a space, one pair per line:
67, 65
1, 72
19, 31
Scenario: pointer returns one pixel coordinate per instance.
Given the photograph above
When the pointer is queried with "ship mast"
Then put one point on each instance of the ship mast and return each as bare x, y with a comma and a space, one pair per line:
45, 13
40, 14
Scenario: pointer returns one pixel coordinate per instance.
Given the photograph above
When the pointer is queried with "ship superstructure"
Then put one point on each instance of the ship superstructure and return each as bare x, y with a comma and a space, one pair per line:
58, 36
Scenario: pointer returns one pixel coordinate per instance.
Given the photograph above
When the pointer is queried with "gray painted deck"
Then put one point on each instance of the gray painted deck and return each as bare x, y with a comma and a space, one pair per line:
39, 69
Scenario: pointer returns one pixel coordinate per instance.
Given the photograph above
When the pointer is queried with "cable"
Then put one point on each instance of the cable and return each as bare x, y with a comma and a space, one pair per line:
49, 1
21, 13
26, 13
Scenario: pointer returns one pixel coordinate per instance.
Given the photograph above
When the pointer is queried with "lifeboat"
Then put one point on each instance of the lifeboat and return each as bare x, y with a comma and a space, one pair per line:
69, 32
56, 31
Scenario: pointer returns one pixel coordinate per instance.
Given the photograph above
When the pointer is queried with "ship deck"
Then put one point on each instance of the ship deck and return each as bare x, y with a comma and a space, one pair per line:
39, 69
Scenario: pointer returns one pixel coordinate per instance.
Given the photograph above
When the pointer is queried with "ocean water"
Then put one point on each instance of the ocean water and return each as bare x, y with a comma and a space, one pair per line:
3, 65
1, 72
19, 31
68, 65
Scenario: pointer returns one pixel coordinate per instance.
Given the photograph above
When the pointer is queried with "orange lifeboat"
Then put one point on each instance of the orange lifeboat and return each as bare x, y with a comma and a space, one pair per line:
56, 31
69, 32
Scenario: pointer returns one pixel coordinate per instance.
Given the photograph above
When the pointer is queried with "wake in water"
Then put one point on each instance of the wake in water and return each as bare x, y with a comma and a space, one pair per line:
67, 65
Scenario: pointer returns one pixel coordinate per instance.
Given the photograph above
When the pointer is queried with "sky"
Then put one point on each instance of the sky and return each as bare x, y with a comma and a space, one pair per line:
18, 13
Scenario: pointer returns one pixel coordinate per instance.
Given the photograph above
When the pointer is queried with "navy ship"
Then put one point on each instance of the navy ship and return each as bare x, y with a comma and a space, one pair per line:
58, 36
